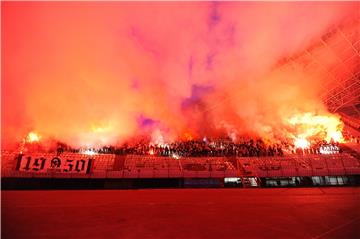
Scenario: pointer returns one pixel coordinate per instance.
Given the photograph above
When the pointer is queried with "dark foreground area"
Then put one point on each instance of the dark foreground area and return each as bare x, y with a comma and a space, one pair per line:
183, 213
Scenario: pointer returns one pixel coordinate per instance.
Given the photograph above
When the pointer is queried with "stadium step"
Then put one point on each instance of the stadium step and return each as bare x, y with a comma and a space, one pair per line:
351, 151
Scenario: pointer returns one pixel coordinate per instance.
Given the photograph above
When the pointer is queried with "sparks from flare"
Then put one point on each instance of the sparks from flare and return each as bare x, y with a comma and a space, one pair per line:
308, 125
89, 152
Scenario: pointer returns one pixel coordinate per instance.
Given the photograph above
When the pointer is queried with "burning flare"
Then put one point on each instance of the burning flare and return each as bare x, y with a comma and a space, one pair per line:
32, 137
301, 143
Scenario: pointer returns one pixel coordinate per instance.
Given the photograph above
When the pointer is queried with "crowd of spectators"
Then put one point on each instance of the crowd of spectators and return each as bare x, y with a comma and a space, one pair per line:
214, 148
194, 148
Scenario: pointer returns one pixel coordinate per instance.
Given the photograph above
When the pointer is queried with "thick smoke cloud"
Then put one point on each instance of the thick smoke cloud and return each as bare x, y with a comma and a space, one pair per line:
90, 73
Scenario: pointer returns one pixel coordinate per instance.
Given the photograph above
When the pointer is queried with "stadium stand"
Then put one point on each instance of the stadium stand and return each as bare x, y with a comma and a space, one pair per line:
249, 169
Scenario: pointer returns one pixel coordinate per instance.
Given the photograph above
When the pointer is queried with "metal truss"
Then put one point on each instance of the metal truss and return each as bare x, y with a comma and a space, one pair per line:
335, 58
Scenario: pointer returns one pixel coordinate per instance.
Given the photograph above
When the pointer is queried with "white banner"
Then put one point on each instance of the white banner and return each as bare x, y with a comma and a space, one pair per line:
28, 163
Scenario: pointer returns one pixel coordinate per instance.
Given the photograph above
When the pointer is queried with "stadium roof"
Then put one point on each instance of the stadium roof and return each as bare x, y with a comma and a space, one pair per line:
335, 57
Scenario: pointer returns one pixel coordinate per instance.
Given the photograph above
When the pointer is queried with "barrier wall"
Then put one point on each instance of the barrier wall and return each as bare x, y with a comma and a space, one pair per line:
72, 165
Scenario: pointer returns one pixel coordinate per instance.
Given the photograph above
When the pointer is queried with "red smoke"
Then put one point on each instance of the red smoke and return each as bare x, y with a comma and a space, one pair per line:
84, 72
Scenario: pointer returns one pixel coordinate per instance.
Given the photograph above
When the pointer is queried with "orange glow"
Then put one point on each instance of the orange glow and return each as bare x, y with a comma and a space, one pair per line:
188, 136
100, 128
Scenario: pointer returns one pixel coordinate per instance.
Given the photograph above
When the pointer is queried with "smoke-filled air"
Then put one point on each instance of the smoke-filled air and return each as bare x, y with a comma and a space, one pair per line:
94, 73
